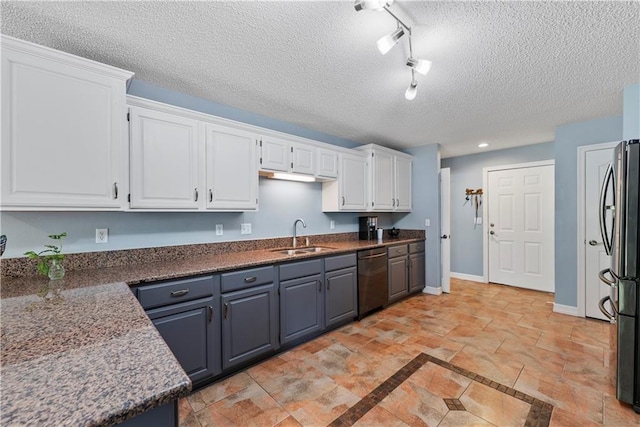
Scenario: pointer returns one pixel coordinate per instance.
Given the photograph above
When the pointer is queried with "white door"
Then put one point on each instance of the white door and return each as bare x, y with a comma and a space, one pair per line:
275, 154
445, 227
353, 183
303, 159
232, 175
327, 163
403, 183
164, 160
596, 259
521, 227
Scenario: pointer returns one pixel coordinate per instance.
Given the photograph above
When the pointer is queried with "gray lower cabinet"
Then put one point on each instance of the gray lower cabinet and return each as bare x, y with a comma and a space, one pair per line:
341, 295
301, 299
417, 280
398, 271
249, 324
184, 312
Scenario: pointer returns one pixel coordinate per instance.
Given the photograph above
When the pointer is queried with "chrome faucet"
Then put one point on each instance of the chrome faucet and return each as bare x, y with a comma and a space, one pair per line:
295, 223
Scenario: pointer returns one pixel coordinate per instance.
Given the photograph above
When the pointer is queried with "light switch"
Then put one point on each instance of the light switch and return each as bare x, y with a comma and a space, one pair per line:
219, 230
427, 222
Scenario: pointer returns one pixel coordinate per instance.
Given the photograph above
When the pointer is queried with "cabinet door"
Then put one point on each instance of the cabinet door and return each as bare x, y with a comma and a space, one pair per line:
341, 296
164, 160
403, 183
189, 331
232, 173
249, 324
63, 130
397, 278
327, 163
275, 154
383, 197
417, 280
301, 302
353, 183
303, 159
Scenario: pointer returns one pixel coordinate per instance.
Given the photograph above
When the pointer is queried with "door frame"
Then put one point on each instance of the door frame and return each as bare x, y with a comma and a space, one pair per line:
581, 221
445, 195
485, 210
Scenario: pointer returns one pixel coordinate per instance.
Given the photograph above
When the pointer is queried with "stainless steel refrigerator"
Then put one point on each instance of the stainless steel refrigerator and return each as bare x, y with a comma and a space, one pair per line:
621, 236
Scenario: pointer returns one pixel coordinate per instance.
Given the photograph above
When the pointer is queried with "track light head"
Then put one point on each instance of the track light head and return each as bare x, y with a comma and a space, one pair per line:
422, 66
371, 4
411, 91
387, 42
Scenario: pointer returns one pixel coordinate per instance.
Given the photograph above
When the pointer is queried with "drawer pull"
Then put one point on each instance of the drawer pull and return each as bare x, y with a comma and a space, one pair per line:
250, 279
180, 293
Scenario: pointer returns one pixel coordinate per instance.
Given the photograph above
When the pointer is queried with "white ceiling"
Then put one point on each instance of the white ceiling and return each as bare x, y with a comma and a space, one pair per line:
506, 73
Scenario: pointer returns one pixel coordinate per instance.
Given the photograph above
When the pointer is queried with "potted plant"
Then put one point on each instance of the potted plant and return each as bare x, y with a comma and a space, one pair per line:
50, 259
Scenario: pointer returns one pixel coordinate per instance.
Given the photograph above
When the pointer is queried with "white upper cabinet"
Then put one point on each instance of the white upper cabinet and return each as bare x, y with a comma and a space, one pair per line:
327, 166
64, 141
275, 154
389, 178
164, 160
303, 159
403, 183
349, 192
232, 178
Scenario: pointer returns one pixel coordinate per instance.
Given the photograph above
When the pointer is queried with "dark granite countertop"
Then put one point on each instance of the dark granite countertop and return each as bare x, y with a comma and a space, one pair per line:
84, 356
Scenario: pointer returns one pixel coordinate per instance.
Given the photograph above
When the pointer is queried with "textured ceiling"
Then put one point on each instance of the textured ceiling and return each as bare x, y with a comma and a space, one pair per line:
505, 73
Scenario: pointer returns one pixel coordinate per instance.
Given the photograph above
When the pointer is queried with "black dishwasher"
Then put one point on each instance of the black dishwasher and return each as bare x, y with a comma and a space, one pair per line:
373, 291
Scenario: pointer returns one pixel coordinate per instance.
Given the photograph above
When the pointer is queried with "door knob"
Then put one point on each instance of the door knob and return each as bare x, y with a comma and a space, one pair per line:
492, 232
593, 242
444, 236
492, 225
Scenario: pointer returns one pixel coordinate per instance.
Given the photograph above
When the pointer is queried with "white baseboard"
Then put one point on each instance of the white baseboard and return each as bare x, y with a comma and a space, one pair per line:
432, 291
469, 277
565, 309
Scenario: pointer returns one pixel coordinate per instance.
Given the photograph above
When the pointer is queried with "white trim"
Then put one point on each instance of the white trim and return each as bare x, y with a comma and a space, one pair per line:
432, 291
469, 277
581, 221
565, 309
485, 210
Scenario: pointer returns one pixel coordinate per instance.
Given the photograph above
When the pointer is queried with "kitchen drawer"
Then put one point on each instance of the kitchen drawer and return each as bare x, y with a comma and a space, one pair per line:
340, 261
165, 293
247, 278
394, 251
416, 247
295, 270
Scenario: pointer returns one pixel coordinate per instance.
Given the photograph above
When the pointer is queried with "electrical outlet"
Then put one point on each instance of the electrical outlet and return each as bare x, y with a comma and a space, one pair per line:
245, 228
427, 222
478, 220
332, 225
219, 230
102, 235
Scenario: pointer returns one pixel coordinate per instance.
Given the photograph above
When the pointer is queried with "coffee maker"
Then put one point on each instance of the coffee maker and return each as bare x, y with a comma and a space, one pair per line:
368, 226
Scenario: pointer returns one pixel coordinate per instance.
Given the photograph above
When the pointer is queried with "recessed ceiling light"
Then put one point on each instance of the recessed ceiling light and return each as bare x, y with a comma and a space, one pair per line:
483, 144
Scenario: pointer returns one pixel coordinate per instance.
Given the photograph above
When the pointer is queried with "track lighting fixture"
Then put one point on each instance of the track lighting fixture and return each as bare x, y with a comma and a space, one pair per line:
387, 42
371, 4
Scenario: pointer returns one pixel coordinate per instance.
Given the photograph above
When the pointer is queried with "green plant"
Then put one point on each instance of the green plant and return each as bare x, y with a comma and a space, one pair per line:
52, 252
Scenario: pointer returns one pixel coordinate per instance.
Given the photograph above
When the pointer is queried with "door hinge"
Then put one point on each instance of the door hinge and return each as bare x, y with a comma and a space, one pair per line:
278, 291
128, 117
373, 204
260, 143
129, 197
260, 160
292, 149
373, 154
256, 200
291, 165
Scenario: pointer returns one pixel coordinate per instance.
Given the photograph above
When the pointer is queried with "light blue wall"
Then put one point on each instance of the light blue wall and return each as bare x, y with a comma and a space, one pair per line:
631, 115
568, 139
281, 202
466, 172
160, 94
426, 204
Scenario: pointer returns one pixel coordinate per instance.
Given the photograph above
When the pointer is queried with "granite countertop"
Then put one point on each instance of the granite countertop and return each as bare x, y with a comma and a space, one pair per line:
140, 272
83, 356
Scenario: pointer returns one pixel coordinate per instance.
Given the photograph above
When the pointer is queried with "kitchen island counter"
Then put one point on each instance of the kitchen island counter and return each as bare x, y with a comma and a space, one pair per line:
82, 356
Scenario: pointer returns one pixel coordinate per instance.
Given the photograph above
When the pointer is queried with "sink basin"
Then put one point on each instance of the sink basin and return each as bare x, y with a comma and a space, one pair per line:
300, 250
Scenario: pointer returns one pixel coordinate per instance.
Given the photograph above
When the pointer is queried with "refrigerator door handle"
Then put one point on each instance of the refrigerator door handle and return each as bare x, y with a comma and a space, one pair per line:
604, 190
610, 316
606, 280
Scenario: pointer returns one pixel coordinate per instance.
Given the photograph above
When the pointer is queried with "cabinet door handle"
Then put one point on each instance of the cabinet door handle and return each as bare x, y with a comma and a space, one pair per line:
250, 279
210, 195
179, 293
210, 314
342, 200
226, 310
195, 191
319, 286
328, 284
115, 190
393, 203
398, 202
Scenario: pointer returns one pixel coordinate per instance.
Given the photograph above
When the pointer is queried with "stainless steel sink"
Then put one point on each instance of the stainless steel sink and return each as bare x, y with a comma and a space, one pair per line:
301, 250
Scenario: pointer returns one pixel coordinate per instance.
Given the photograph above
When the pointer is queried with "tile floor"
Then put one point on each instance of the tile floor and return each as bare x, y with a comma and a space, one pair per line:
484, 355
